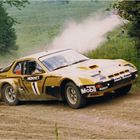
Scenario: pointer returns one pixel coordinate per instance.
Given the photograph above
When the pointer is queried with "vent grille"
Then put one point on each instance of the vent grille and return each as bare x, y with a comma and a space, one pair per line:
93, 67
117, 74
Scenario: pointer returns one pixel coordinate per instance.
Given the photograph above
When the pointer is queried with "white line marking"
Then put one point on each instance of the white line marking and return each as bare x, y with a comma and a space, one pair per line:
33, 87
36, 86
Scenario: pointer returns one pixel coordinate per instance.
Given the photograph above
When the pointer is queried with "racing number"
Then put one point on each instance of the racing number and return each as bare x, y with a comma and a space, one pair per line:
34, 81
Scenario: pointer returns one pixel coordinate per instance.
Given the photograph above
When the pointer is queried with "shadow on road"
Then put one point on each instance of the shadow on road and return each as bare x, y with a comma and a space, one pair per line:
90, 102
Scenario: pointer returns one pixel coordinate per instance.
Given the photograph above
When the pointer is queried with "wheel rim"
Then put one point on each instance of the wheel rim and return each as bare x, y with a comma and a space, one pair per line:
71, 95
10, 94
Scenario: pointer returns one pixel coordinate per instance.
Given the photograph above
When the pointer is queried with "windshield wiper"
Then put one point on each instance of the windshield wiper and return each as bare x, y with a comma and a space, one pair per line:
70, 64
60, 67
80, 61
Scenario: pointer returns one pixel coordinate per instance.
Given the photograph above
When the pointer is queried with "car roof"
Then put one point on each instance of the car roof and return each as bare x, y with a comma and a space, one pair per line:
40, 54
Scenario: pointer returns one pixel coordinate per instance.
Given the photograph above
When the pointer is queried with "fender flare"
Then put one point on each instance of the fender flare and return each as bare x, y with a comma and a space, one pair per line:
62, 86
12, 82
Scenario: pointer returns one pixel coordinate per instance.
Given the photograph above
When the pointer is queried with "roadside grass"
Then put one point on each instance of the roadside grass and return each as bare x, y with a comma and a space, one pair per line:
118, 46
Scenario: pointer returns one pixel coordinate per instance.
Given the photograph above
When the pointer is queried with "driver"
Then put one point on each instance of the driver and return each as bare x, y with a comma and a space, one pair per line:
36, 68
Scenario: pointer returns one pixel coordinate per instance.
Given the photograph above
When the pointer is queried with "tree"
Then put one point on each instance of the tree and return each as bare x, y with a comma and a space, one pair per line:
130, 10
7, 32
16, 3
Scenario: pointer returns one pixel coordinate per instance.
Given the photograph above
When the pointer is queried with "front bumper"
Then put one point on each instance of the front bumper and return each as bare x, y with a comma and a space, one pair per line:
108, 86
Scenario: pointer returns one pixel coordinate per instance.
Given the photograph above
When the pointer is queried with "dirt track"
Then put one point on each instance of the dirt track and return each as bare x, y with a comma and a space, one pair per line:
101, 118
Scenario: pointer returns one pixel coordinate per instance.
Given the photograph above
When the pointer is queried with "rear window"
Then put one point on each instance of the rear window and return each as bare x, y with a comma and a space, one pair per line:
6, 68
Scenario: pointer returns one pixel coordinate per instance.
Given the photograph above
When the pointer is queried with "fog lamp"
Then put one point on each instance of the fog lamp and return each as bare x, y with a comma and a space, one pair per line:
98, 86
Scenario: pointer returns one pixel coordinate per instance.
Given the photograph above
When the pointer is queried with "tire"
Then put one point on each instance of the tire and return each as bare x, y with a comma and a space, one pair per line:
73, 96
9, 95
124, 90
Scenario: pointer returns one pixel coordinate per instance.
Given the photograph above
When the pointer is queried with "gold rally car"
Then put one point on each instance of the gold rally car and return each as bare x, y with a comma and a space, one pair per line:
64, 75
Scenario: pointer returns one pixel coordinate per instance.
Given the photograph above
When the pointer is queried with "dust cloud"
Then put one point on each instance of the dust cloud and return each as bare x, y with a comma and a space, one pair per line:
87, 35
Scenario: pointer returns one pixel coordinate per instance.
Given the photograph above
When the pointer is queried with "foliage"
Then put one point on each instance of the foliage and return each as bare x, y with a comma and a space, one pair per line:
16, 3
7, 32
130, 10
118, 46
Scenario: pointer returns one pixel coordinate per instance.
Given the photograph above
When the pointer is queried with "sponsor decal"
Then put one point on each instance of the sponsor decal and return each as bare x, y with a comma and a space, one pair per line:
117, 79
126, 76
122, 77
103, 88
88, 89
33, 78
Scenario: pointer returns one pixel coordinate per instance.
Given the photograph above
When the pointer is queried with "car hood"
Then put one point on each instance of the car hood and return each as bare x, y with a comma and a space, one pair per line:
92, 67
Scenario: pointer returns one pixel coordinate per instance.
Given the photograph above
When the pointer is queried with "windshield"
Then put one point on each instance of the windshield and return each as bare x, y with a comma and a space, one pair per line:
62, 59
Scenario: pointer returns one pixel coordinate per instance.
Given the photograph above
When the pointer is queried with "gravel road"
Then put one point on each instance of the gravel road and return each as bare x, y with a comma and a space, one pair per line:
102, 118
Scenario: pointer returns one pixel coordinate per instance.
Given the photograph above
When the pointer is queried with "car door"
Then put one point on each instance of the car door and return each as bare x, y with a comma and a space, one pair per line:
33, 77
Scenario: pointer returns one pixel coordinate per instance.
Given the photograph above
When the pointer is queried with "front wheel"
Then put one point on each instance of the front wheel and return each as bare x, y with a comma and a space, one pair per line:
124, 90
74, 96
9, 95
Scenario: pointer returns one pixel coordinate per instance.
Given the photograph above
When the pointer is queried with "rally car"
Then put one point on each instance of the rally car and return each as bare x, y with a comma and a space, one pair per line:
64, 75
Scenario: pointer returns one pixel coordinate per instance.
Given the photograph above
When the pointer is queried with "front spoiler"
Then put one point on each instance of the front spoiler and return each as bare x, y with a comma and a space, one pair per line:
102, 93
110, 86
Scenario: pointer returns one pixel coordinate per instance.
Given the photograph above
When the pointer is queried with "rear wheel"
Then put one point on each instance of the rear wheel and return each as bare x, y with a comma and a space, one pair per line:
124, 90
9, 95
74, 96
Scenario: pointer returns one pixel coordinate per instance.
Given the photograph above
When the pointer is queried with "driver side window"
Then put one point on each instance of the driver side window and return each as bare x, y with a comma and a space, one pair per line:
27, 68
31, 67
